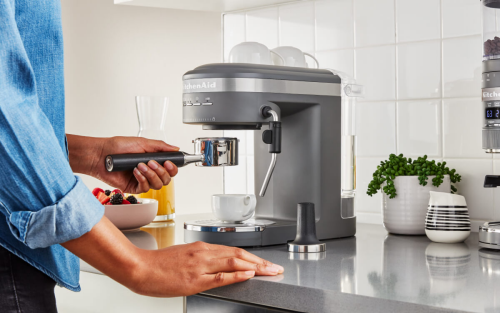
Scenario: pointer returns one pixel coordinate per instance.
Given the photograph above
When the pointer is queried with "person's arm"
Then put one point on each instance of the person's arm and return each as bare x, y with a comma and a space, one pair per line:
180, 270
87, 155
42, 200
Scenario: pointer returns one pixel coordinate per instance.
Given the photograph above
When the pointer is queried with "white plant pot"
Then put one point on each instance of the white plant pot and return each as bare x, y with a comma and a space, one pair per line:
405, 214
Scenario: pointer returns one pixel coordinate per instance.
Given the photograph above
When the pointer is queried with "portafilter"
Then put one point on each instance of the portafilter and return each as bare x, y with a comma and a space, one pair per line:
208, 151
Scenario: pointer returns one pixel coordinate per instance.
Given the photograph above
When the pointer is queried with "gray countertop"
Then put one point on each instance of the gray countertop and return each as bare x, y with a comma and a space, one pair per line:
371, 272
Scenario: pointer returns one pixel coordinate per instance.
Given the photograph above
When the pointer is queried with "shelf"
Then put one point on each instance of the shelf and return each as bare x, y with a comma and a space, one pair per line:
203, 5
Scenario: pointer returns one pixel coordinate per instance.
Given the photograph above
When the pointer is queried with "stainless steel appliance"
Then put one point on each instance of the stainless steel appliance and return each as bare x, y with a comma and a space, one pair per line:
488, 233
302, 142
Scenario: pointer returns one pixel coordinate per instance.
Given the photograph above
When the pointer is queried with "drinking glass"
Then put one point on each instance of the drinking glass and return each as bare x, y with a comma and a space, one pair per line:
152, 115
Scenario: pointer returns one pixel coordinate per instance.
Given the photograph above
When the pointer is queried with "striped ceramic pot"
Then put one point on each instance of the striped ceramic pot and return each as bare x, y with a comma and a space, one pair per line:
447, 218
405, 214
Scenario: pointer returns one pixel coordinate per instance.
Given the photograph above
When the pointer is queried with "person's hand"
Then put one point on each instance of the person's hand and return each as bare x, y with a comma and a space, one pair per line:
180, 270
188, 269
146, 176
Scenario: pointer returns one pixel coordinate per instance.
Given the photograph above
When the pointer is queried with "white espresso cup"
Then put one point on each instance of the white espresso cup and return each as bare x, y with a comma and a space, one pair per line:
231, 208
291, 56
250, 52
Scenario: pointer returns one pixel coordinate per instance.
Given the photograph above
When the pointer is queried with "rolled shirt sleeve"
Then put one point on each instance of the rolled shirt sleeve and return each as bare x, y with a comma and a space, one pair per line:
43, 201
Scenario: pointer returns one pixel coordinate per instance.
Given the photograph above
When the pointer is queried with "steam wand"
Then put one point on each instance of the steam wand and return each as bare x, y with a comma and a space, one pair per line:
272, 137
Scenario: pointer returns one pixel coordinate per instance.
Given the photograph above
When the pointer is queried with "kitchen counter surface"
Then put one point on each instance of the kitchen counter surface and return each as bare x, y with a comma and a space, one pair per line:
371, 272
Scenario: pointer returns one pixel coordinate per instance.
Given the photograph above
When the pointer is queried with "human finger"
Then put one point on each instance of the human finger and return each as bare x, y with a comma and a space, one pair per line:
223, 279
143, 184
217, 251
171, 168
234, 264
160, 171
151, 145
153, 179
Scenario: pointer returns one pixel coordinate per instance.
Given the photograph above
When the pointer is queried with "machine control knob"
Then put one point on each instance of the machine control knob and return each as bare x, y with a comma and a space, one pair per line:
267, 136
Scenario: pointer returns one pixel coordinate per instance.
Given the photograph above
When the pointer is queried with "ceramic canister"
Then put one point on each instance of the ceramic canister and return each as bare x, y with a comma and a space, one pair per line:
405, 214
447, 218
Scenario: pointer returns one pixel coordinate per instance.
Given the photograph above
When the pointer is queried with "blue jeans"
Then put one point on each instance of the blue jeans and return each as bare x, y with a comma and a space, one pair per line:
23, 288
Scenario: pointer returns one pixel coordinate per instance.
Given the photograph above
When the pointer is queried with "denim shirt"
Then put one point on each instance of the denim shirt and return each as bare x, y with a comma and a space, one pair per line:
42, 203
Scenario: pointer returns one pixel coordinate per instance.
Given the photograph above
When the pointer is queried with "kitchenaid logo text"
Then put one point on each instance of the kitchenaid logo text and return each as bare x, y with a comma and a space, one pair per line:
203, 85
492, 94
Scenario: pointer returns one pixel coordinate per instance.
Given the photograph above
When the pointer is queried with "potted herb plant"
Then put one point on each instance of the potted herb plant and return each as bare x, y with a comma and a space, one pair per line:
405, 190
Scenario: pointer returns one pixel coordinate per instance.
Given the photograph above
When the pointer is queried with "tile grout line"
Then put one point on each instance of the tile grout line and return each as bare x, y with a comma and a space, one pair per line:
398, 43
355, 64
279, 26
441, 78
396, 83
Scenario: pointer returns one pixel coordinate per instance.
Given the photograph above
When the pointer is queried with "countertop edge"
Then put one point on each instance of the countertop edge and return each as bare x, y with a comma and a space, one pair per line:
314, 300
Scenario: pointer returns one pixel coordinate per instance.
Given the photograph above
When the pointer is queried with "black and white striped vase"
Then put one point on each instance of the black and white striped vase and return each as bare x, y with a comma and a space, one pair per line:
447, 218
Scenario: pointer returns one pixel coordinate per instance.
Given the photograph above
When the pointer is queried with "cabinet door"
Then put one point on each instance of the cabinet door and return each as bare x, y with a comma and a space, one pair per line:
199, 304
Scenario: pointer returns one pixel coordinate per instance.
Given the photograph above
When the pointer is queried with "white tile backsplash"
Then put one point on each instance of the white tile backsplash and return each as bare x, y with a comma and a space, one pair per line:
462, 123
462, 66
334, 25
376, 128
419, 70
419, 128
262, 26
479, 200
376, 69
417, 20
341, 60
461, 17
374, 22
420, 63
297, 26
364, 169
234, 32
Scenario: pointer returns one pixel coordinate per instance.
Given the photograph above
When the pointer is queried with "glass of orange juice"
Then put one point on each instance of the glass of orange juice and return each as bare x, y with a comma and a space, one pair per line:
166, 201
152, 113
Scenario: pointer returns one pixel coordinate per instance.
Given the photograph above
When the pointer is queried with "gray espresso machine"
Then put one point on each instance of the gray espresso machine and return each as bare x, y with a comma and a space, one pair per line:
304, 147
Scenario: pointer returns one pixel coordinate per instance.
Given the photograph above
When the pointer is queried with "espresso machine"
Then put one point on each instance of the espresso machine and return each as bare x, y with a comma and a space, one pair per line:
303, 147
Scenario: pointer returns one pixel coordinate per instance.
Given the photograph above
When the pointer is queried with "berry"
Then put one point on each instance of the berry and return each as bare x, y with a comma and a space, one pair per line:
117, 191
125, 201
101, 196
96, 191
132, 199
117, 198
107, 192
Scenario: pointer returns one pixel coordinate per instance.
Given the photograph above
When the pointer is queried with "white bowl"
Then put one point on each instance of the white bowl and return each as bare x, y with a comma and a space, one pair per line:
132, 216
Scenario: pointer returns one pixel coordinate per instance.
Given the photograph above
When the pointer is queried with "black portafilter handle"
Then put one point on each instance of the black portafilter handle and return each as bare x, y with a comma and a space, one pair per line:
127, 162
306, 240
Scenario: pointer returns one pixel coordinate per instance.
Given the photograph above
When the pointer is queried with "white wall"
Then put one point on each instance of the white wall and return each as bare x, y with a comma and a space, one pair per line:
113, 53
420, 62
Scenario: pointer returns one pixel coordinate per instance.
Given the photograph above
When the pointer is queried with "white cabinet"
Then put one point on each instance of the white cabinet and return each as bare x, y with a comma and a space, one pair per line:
101, 294
203, 5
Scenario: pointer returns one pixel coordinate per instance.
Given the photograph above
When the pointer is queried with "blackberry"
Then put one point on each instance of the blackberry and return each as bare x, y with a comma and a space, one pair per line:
107, 192
132, 199
117, 198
